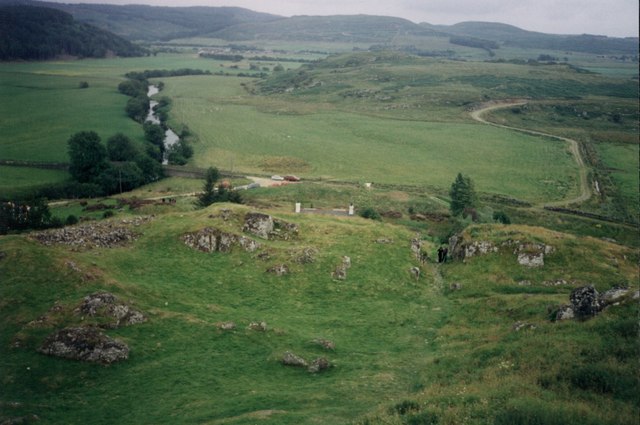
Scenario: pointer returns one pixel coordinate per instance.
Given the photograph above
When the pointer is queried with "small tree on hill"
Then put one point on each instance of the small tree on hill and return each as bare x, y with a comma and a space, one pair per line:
208, 195
463, 195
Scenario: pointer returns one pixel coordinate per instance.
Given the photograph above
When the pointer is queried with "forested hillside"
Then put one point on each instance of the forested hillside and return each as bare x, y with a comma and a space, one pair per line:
38, 33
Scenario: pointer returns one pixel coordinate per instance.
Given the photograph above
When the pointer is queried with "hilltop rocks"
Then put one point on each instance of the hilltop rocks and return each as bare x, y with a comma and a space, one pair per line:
325, 343
92, 235
86, 344
107, 305
319, 365
266, 227
306, 255
214, 240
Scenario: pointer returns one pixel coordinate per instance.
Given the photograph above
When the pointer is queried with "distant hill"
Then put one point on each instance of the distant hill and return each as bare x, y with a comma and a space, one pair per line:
509, 35
38, 33
339, 28
150, 23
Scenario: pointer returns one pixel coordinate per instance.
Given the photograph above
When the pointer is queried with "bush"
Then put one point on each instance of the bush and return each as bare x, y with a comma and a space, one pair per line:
405, 407
370, 213
501, 217
83, 85
71, 220
535, 412
107, 214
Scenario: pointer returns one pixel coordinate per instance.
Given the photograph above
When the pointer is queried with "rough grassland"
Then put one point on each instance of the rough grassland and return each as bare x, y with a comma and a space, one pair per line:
453, 354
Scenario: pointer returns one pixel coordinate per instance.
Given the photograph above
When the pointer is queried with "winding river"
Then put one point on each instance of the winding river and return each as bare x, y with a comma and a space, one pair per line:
170, 137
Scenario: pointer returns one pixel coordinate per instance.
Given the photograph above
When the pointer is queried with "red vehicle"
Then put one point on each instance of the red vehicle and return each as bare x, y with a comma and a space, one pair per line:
292, 178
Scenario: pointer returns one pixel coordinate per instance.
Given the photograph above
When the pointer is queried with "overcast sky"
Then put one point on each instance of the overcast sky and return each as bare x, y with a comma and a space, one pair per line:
618, 18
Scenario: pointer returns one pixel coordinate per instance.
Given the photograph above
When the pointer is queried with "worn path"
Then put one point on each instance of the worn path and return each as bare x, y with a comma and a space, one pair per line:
583, 171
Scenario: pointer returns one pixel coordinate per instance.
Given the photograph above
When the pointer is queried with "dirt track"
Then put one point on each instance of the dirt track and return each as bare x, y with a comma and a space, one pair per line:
585, 188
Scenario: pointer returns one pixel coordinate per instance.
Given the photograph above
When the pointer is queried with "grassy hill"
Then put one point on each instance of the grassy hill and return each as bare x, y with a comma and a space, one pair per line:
39, 33
440, 349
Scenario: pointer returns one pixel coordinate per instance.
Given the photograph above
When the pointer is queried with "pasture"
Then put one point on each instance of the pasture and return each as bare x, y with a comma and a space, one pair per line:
398, 340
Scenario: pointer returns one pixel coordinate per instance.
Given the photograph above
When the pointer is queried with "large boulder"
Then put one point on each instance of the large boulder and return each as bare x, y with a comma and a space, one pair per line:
85, 344
290, 359
585, 302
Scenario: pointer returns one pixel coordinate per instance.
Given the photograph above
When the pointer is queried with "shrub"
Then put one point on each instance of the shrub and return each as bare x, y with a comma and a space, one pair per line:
370, 213
107, 214
71, 220
501, 217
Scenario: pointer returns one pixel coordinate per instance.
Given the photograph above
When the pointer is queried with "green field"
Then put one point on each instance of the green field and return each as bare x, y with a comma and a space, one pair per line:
15, 180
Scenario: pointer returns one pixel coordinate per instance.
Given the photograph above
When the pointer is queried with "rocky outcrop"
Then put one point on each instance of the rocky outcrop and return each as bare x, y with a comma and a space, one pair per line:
518, 326
211, 239
85, 344
267, 227
318, 365
528, 254
106, 234
586, 302
415, 272
106, 305
226, 326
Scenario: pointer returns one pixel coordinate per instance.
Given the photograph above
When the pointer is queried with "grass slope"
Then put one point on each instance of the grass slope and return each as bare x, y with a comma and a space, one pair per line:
398, 340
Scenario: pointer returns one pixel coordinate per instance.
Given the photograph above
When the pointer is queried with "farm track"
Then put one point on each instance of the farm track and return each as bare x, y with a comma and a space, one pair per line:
583, 171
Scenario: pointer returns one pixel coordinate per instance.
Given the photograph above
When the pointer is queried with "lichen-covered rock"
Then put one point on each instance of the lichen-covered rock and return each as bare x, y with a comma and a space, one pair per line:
614, 296
105, 304
340, 273
479, 248
585, 302
290, 359
531, 259
85, 344
565, 312
211, 239
267, 227
319, 365
455, 286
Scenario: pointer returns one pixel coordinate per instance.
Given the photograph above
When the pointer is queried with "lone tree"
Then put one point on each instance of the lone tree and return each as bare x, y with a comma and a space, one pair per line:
208, 195
463, 195
87, 155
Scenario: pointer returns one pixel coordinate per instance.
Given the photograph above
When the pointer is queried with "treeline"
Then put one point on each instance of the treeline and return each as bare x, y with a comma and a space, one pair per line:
40, 33
163, 73
263, 58
477, 43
